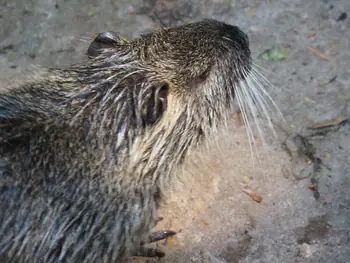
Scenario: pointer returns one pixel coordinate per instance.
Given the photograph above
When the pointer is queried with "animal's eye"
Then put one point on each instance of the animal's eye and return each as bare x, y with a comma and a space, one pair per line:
193, 84
103, 40
204, 75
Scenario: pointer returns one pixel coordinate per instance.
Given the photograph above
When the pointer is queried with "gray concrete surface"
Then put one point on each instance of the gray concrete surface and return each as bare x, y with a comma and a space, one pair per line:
216, 220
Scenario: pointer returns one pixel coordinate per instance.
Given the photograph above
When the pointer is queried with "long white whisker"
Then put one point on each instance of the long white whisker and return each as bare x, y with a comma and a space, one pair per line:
261, 103
255, 67
253, 81
249, 131
250, 103
263, 80
260, 87
257, 105
260, 67
246, 122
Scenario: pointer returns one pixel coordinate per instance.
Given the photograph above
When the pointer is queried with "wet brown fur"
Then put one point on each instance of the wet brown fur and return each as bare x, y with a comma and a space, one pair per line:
87, 151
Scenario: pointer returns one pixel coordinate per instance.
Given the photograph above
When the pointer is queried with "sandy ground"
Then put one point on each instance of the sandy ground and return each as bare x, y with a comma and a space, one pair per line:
216, 220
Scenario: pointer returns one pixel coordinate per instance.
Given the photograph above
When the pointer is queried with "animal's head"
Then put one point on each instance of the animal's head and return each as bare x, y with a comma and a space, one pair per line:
196, 67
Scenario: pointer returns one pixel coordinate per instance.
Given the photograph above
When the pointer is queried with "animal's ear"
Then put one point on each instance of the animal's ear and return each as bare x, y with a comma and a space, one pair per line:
155, 105
104, 40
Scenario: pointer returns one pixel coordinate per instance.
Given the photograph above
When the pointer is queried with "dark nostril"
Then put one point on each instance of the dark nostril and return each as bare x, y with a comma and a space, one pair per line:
233, 33
238, 36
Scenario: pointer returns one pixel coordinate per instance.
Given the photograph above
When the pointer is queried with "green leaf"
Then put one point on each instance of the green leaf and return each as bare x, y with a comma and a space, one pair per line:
274, 53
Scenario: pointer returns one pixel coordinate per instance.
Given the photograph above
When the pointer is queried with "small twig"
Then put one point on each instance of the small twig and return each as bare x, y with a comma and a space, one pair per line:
320, 54
336, 122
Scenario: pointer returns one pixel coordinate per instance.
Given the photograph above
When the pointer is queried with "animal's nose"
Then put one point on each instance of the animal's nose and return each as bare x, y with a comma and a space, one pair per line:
236, 36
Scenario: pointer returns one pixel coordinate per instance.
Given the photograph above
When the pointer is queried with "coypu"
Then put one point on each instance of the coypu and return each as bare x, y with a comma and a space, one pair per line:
87, 151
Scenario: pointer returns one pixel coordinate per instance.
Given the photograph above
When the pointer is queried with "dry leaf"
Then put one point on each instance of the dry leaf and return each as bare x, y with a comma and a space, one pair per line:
308, 161
324, 198
340, 100
205, 224
326, 155
246, 180
172, 203
326, 124
235, 116
170, 240
311, 33
312, 187
257, 198
212, 165
308, 100
248, 191
201, 206
254, 29
251, 12
91, 12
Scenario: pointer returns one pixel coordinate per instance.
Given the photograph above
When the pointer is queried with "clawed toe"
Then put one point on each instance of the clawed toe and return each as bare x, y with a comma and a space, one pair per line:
159, 235
149, 252
153, 237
